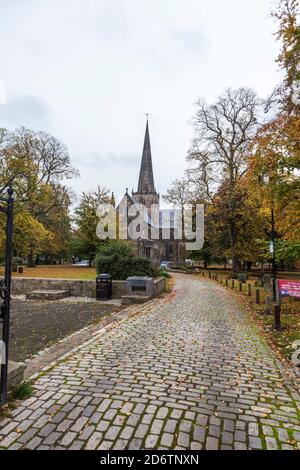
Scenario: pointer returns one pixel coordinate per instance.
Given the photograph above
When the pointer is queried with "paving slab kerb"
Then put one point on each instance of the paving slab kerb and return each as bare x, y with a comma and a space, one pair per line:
188, 372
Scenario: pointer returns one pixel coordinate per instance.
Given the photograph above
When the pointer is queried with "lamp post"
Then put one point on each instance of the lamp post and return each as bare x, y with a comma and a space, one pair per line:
269, 180
273, 251
5, 288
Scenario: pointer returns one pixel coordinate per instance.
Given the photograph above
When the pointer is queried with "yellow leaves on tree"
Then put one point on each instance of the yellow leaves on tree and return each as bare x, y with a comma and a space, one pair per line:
30, 236
274, 172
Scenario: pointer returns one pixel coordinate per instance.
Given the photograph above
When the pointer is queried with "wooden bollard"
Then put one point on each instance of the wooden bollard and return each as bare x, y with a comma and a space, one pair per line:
277, 317
232, 284
257, 296
226, 282
249, 290
241, 286
203, 274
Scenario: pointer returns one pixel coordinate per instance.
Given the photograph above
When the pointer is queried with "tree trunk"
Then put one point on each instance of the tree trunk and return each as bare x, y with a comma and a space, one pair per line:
30, 260
236, 264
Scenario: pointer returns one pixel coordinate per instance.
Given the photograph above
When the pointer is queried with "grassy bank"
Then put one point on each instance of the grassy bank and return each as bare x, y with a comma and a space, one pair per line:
57, 271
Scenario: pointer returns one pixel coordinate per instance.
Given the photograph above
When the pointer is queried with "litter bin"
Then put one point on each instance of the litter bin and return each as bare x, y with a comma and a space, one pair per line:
103, 287
242, 277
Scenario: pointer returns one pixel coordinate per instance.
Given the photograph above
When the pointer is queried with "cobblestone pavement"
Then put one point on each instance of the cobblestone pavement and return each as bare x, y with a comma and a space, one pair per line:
188, 372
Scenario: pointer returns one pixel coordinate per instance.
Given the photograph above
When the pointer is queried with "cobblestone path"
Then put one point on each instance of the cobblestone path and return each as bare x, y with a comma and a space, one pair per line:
188, 372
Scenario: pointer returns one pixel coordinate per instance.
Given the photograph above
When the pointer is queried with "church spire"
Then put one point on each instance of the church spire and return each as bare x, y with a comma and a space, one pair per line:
146, 179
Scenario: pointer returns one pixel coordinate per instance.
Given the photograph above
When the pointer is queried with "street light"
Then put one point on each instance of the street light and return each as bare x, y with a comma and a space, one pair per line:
268, 179
6, 207
273, 251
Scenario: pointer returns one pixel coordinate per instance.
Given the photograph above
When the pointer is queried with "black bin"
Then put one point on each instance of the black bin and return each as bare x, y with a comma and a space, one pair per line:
103, 287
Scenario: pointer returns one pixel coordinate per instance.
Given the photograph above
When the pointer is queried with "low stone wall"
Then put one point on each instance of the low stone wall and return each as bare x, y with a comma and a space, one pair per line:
75, 287
15, 374
159, 286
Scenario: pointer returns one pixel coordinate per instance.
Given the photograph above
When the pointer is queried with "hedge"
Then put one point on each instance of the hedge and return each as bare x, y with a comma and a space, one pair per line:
120, 268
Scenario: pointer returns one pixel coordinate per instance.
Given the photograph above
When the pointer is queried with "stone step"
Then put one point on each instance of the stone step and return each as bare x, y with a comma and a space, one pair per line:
47, 294
135, 299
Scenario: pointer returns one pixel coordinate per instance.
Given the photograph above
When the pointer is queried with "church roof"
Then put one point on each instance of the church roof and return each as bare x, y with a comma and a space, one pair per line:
126, 199
146, 179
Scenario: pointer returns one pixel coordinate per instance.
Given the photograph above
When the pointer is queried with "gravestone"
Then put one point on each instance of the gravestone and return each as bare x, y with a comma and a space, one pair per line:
269, 293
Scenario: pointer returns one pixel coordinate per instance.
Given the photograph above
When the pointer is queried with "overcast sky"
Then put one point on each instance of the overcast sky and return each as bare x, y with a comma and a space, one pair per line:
87, 71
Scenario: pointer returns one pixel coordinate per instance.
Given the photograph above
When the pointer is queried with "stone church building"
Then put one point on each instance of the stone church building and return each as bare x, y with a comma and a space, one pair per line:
161, 249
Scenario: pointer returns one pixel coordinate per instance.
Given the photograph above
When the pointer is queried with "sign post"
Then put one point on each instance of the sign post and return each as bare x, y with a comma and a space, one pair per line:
288, 288
284, 288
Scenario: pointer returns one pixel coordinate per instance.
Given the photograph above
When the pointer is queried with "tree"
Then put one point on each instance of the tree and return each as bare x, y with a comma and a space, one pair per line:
220, 151
30, 237
179, 194
275, 162
86, 221
30, 158
287, 94
36, 164
273, 173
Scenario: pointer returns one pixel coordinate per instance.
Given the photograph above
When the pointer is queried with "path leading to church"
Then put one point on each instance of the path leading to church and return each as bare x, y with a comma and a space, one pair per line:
187, 372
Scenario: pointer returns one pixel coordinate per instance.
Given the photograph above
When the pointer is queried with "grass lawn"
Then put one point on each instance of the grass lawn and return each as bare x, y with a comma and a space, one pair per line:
59, 272
290, 320
281, 341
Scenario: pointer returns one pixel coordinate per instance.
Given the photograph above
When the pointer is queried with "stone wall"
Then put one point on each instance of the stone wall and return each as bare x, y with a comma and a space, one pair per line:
159, 286
76, 288
15, 374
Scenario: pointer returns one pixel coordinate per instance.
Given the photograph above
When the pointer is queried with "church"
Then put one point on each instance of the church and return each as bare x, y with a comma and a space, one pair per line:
161, 249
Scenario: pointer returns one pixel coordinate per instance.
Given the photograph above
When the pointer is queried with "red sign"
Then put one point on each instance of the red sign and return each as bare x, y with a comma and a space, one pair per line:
289, 288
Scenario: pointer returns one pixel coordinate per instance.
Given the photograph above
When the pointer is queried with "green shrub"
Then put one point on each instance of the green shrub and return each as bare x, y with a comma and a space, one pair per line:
23, 391
113, 247
162, 273
17, 261
121, 268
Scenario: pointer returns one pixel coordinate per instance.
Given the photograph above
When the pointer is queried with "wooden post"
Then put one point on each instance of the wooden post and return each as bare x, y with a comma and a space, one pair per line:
241, 287
226, 283
277, 317
232, 284
257, 296
249, 290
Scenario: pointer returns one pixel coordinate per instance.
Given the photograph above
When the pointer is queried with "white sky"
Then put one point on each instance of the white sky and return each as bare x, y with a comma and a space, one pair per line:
88, 71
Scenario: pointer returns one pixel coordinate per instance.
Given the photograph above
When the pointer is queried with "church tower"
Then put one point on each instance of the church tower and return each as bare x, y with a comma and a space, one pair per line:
146, 193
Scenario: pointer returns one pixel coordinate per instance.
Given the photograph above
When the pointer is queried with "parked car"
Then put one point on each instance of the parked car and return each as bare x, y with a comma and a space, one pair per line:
165, 264
189, 262
84, 262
